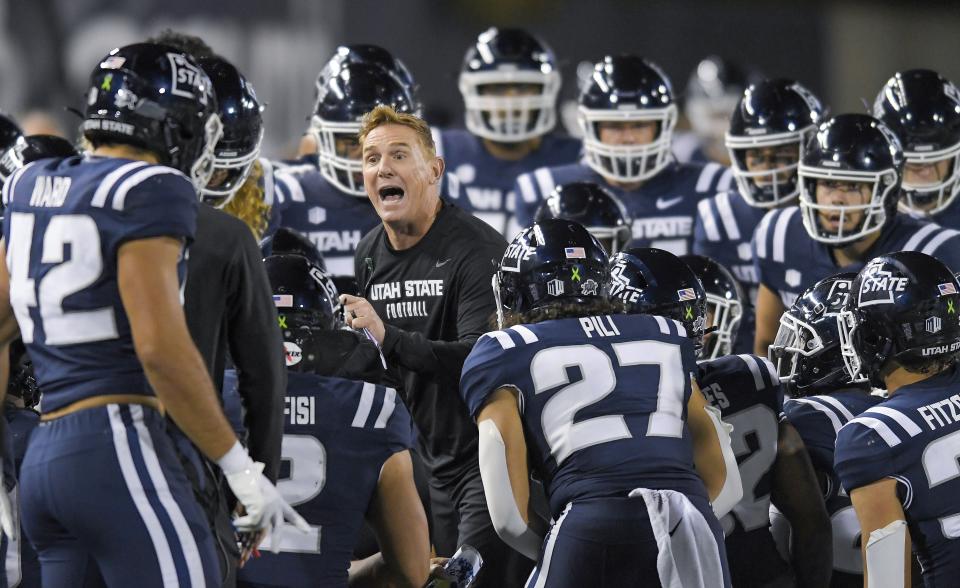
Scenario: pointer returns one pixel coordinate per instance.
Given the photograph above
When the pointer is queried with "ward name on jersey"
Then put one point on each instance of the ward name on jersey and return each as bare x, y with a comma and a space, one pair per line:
66, 220
626, 435
818, 419
337, 435
334, 221
482, 184
746, 390
723, 232
913, 438
663, 209
788, 261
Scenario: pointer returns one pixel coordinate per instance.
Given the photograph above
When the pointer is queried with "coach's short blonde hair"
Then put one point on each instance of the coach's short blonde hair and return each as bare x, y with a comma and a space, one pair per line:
386, 115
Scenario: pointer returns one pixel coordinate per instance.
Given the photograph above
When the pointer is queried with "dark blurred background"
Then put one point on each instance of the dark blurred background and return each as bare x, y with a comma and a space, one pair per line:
843, 50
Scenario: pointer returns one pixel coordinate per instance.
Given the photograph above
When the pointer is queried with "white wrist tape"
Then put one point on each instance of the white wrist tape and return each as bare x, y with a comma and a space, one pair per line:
885, 556
235, 460
732, 490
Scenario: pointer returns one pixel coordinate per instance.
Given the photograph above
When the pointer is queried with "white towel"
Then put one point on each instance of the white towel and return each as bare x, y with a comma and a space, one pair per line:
688, 553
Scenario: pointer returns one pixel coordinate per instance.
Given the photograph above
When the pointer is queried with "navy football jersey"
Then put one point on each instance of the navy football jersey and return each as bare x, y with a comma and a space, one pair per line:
914, 438
748, 393
687, 147
482, 185
948, 217
22, 565
337, 434
663, 208
789, 270
603, 401
333, 220
818, 419
66, 220
724, 231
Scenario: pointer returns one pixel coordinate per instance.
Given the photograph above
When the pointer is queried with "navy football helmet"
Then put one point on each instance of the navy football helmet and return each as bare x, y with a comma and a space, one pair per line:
239, 146
31, 148
305, 305
625, 88
554, 261
923, 108
724, 304
903, 307
806, 349
653, 281
22, 382
12, 145
592, 206
502, 58
771, 113
371, 55
155, 98
852, 149
289, 241
355, 90
713, 90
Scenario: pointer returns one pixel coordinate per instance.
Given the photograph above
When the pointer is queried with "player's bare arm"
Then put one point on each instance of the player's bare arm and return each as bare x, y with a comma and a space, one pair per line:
877, 508
769, 309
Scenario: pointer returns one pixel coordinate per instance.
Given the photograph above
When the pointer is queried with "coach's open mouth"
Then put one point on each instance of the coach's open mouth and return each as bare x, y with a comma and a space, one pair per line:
391, 193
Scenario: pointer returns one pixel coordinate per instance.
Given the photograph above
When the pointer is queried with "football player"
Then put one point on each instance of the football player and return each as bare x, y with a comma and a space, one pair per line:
630, 482
850, 173
823, 399
773, 463
347, 445
509, 81
713, 90
772, 119
592, 206
329, 204
923, 108
104, 325
20, 412
898, 459
628, 113
724, 305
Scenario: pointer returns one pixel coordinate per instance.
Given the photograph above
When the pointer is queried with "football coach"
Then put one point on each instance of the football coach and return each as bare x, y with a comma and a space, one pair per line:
425, 276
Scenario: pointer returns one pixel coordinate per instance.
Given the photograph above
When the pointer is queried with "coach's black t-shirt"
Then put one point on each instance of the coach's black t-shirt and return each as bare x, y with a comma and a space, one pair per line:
435, 300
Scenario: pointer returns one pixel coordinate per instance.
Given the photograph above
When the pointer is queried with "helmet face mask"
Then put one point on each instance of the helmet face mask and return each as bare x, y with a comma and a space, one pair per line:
342, 170
874, 212
628, 163
768, 188
510, 117
722, 323
203, 165
931, 198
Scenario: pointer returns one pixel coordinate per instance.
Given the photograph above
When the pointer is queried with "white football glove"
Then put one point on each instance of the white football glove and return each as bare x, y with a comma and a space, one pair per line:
265, 508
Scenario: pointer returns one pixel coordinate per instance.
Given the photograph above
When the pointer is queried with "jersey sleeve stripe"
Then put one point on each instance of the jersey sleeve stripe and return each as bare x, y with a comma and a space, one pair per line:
366, 404
526, 334
726, 216
834, 418
293, 187
503, 339
527, 191
437, 140
11, 185
760, 236
879, 426
99, 199
120, 195
754, 370
914, 242
268, 189
662, 323
706, 176
386, 411
708, 221
838, 406
780, 234
544, 181
903, 420
937, 241
681, 331
908, 498
726, 180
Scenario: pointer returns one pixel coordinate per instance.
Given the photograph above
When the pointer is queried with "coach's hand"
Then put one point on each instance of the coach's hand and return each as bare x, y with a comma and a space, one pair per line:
361, 315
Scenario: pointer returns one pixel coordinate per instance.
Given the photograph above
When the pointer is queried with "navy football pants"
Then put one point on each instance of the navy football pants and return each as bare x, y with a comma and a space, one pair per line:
104, 484
607, 543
